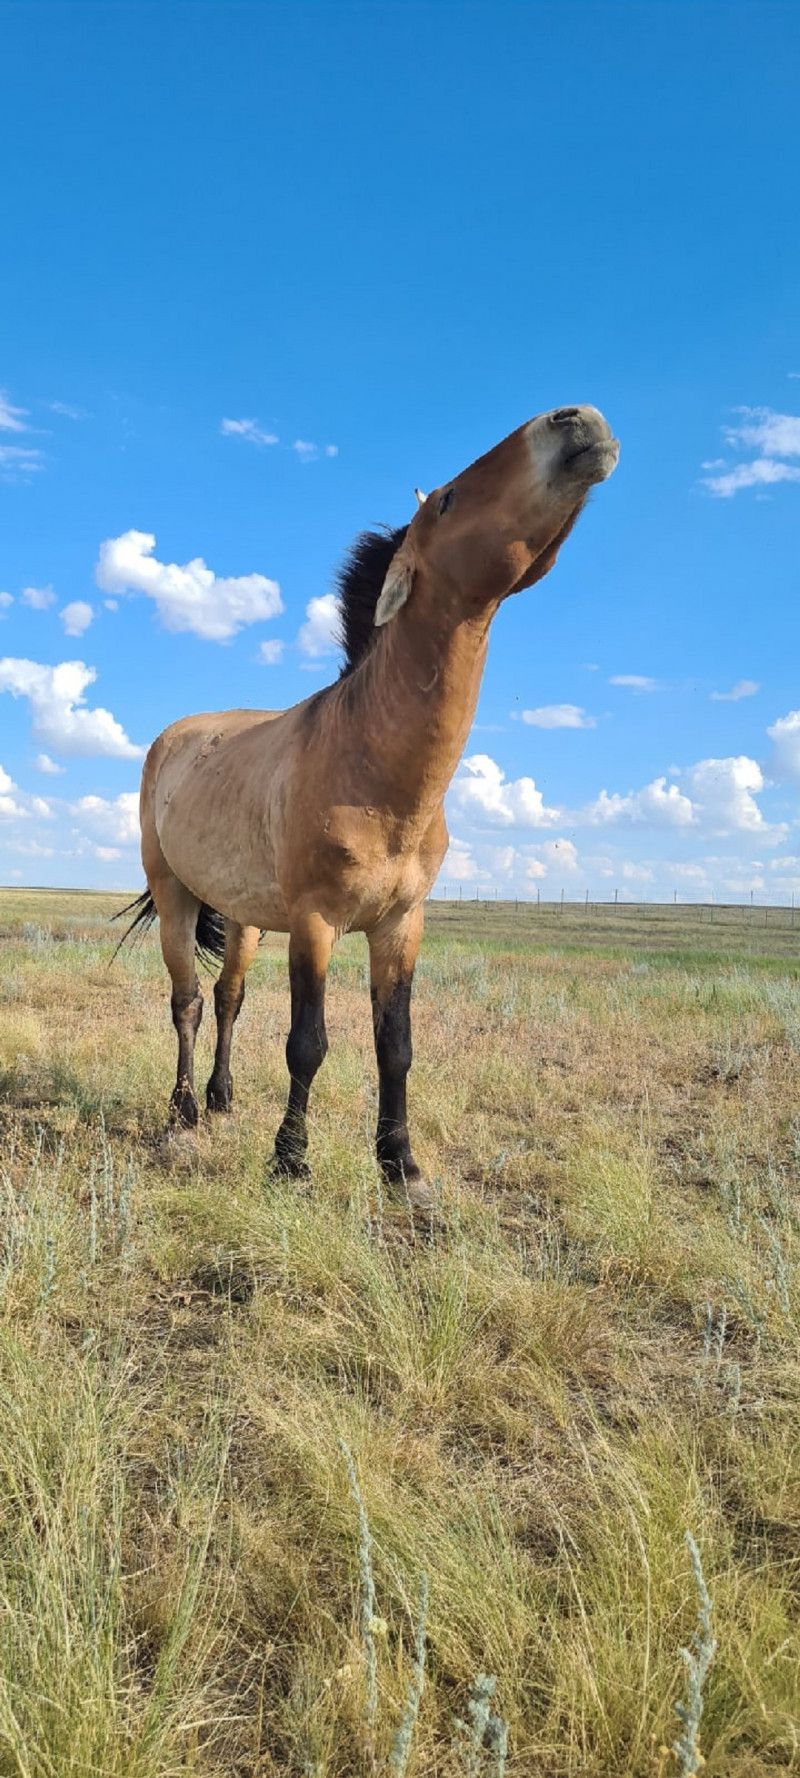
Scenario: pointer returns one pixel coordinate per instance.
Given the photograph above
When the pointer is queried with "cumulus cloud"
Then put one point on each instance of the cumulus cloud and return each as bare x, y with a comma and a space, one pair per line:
558, 716
319, 635
114, 822
480, 790
191, 597
784, 762
552, 857
250, 430
76, 617
43, 763
459, 865
717, 796
8, 806
38, 597
660, 804
773, 437
744, 688
723, 792
5, 600
270, 653
60, 718
635, 681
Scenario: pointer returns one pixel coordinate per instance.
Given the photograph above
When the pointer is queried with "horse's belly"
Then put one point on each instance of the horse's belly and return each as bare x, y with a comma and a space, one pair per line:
238, 880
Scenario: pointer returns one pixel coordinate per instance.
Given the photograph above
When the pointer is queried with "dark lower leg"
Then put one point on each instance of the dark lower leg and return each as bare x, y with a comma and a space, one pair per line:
391, 1017
305, 1051
187, 1011
227, 1006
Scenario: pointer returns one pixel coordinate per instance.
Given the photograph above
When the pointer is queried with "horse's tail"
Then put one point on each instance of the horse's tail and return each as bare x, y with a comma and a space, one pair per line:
209, 931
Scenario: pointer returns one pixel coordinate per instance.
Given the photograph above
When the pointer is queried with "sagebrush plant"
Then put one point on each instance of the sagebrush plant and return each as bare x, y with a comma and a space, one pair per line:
594, 1348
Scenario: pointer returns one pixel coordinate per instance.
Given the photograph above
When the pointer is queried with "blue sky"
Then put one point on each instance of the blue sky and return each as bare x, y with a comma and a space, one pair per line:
382, 235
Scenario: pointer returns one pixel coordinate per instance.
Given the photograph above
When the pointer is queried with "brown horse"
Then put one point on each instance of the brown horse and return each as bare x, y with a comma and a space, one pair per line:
328, 817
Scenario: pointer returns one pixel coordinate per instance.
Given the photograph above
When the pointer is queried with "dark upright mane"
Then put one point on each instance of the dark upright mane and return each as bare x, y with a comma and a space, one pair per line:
358, 587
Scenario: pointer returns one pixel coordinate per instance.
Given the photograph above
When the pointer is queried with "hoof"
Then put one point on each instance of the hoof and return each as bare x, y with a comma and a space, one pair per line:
413, 1191
289, 1166
184, 1110
219, 1095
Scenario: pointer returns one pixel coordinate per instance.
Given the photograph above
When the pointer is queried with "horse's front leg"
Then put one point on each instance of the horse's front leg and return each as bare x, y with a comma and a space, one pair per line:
393, 948
310, 945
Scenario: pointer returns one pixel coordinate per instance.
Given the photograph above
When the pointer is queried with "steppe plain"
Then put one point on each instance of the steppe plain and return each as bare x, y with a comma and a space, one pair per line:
592, 1352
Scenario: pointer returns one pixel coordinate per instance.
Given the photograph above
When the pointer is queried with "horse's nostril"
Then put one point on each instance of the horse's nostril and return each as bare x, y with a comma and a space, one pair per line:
562, 415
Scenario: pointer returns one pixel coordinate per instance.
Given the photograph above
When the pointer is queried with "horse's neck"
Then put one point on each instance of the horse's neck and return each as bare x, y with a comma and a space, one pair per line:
415, 697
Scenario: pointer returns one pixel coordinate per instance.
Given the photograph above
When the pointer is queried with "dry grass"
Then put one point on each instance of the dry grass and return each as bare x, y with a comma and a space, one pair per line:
596, 1352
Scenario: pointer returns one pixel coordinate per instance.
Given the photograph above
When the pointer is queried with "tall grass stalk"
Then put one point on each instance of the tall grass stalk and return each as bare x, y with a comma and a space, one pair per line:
697, 1659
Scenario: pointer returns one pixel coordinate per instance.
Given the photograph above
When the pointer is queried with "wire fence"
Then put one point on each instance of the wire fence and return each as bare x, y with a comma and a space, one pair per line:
746, 912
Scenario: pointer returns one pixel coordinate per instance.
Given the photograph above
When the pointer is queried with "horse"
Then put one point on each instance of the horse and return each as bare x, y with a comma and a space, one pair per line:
328, 817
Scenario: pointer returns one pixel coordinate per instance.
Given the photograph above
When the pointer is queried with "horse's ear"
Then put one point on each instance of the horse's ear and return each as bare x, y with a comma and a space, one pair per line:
397, 585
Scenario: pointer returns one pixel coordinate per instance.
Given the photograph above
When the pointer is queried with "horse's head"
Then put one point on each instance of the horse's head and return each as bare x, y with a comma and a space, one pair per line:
499, 525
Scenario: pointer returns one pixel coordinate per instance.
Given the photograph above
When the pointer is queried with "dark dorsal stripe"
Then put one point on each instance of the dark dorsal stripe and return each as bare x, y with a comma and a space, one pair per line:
358, 588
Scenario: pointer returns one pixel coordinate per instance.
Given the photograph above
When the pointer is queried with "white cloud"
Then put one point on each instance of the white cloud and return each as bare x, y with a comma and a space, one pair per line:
558, 716
551, 858
659, 804
784, 761
636, 681
305, 451
43, 763
248, 429
761, 472
269, 653
695, 875
723, 793
480, 790
12, 419
5, 600
76, 617
774, 436
116, 822
38, 597
636, 873
319, 635
16, 460
718, 797
331, 450
191, 597
459, 865
63, 407
744, 688
9, 808
60, 717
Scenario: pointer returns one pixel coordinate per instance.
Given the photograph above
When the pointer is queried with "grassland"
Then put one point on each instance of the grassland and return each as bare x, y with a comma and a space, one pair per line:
594, 1352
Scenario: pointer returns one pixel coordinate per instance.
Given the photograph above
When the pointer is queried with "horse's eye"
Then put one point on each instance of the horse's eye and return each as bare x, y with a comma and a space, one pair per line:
446, 500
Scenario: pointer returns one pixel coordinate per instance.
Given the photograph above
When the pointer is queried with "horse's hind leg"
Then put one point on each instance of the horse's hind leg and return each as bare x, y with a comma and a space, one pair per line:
240, 948
177, 914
